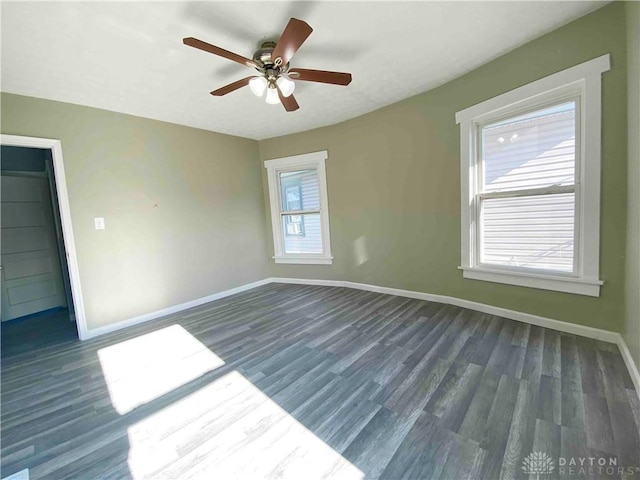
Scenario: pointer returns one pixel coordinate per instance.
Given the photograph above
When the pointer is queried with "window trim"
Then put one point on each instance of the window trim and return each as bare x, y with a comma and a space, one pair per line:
314, 160
585, 82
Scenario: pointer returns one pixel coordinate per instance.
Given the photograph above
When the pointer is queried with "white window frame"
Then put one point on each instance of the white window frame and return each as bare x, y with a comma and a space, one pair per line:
583, 83
307, 161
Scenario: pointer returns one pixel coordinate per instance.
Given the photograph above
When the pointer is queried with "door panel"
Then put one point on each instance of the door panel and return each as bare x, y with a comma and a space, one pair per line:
30, 291
16, 189
22, 214
31, 276
27, 308
24, 239
27, 267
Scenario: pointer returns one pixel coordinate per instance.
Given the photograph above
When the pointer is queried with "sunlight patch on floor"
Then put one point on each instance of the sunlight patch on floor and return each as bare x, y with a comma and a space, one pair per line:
144, 368
231, 429
21, 475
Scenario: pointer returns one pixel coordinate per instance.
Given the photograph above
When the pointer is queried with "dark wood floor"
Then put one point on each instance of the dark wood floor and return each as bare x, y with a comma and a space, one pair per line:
291, 381
28, 334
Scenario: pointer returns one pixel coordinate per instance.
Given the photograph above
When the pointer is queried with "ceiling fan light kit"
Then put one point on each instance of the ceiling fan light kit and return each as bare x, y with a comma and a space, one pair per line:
272, 96
285, 85
272, 63
258, 85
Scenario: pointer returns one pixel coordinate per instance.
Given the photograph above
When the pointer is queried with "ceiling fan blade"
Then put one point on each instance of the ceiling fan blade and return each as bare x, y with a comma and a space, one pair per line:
289, 103
231, 87
322, 76
294, 35
207, 47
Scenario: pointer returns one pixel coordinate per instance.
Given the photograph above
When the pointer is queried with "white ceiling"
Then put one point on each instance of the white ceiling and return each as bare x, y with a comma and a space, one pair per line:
129, 57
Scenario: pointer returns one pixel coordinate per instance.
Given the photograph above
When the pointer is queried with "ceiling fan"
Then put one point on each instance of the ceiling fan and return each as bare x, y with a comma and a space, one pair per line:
271, 61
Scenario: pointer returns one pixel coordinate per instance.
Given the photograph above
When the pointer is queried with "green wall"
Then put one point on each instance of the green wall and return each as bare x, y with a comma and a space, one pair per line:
394, 181
187, 210
183, 207
631, 328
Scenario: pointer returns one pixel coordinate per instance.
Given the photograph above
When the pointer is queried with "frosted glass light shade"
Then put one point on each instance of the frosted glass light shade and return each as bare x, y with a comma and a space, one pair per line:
257, 85
287, 86
272, 96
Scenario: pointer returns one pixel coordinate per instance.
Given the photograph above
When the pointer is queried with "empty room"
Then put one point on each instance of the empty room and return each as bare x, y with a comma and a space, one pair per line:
320, 240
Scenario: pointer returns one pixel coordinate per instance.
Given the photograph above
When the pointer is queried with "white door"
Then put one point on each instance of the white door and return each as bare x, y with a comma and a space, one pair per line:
31, 276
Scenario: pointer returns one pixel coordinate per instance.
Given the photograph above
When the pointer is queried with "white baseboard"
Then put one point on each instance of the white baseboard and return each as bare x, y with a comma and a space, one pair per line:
96, 332
629, 362
589, 332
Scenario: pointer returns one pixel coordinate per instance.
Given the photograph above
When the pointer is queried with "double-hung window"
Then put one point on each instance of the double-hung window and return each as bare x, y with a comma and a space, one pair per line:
530, 164
299, 208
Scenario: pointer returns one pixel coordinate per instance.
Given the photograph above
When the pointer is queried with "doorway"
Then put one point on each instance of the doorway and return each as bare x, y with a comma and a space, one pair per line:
40, 278
35, 277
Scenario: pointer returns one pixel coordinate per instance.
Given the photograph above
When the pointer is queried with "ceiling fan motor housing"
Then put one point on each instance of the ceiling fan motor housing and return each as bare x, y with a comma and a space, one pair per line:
262, 57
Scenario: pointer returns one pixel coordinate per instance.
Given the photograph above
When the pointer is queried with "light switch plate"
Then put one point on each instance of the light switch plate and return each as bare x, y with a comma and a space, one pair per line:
99, 223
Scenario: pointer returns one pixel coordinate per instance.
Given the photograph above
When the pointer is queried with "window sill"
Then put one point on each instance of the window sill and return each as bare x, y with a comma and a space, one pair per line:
580, 286
308, 260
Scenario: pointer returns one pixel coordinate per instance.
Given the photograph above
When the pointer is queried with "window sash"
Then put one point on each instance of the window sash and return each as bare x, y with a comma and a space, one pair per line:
284, 213
479, 227
278, 172
479, 195
577, 99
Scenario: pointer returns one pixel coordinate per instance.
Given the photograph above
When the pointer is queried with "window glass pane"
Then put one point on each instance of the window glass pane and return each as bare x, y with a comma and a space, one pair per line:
302, 233
530, 151
299, 190
532, 232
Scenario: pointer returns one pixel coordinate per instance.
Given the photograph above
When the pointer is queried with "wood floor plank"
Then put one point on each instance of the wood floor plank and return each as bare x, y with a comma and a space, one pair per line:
453, 396
464, 460
573, 446
532, 366
612, 378
488, 342
415, 392
547, 439
477, 413
625, 433
572, 402
598, 427
420, 453
499, 420
376, 444
500, 356
591, 374
550, 400
522, 430
551, 354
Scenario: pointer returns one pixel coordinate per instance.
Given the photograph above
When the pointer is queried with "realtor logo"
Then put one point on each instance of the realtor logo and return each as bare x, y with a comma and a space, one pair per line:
537, 463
